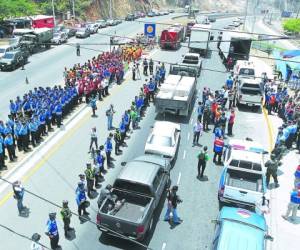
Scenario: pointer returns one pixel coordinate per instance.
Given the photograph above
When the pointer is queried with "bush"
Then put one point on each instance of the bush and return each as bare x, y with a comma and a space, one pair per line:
292, 25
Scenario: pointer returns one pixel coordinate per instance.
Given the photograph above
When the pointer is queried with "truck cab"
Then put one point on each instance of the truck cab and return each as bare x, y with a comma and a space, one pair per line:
137, 192
244, 68
193, 60
242, 181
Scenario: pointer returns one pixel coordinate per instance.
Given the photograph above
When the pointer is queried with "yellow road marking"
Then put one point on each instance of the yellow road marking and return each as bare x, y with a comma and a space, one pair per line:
270, 130
57, 146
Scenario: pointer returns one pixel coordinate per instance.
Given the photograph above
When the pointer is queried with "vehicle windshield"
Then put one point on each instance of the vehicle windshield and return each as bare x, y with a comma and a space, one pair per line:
251, 91
56, 35
8, 56
245, 165
164, 141
246, 72
190, 60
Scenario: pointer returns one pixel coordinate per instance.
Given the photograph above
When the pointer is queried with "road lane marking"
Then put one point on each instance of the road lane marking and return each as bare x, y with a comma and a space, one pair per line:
184, 154
270, 130
179, 177
188, 137
164, 246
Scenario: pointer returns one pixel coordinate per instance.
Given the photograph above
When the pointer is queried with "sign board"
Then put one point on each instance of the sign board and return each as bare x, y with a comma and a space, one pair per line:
149, 29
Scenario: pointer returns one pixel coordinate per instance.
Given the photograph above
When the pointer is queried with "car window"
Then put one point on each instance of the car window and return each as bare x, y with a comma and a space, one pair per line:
161, 140
246, 71
8, 56
250, 91
157, 179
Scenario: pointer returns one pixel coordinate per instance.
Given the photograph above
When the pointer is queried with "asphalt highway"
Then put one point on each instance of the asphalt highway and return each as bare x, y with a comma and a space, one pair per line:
57, 175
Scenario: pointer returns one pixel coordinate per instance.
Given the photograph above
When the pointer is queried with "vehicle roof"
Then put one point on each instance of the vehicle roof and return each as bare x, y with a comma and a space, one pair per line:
201, 26
164, 128
239, 144
140, 170
245, 63
246, 156
243, 215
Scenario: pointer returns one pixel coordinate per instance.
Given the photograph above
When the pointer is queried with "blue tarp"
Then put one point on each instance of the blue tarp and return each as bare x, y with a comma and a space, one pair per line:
290, 53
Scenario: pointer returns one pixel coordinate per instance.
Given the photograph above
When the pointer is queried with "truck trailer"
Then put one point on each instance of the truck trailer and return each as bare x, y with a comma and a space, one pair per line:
199, 38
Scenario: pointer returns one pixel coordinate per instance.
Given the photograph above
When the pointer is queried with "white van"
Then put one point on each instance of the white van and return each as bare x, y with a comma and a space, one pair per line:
244, 68
250, 92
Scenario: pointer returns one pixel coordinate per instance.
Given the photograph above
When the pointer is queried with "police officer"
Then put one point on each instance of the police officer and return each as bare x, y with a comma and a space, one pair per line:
2, 161
66, 215
58, 114
19, 196
206, 117
52, 231
272, 166
118, 141
145, 65
90, 176
78, 49
122, 131
100, 158
151, 87
81, 201
108, 148
218, 149
151, 64
9, 144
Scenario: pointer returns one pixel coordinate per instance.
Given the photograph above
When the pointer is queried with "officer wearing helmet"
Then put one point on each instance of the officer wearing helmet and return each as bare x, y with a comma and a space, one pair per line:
81, 200
105, 193
90, 178
52, 231
66, 215
272, 166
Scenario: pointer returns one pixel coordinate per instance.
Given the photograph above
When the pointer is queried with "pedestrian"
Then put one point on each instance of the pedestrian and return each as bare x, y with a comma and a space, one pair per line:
151, 88
90, 176
93, 105
173, 200
202, 160
222, 122
293, 204
272, 167
200, 110
19, 196
133, 73
230, 98
151, 65
81, 201
105, 193
66, 215
218, 149
35, 245
78, 49
9, 144
94, 139
118, 141
197, 129
297, 176
100, 159
230, 123
110, 114
145, 65
206, 118
52, 231
2, 160
108, 148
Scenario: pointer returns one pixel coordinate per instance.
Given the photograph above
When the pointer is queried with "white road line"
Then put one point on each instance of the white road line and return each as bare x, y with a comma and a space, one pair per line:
192, 121
188, 137
184, 153
164, 246
179, 177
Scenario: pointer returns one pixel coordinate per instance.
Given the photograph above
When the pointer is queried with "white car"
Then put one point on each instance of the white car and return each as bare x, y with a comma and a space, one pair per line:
163, 139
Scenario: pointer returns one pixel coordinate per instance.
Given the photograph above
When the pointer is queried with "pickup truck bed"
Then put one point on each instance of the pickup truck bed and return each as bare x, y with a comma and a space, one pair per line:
133, 208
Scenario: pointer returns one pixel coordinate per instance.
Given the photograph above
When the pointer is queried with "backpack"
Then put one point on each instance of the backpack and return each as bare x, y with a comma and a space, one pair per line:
201, 156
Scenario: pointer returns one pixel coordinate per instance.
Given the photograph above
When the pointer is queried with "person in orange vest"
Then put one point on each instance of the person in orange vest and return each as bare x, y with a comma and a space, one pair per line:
218, 149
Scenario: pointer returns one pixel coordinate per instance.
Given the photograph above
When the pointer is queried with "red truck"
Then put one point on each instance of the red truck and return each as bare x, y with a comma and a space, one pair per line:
172, 37
42, 21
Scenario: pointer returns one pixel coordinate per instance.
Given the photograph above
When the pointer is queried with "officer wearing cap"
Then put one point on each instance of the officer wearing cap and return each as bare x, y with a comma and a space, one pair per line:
272, 166
118, 141
52, 231
80, 200
66, 215
90, 176
108, 148
35, 245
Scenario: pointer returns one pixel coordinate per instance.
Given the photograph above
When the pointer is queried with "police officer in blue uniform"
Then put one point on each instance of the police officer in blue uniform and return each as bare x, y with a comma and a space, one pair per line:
151, 87
52, 231
9, 144
81, 201
108, 148
58, 113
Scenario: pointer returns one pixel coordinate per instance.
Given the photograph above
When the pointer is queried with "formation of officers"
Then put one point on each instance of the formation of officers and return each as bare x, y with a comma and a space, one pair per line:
32, 117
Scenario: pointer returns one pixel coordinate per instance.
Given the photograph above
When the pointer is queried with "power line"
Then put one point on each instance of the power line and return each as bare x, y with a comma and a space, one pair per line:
22, 235
77, 215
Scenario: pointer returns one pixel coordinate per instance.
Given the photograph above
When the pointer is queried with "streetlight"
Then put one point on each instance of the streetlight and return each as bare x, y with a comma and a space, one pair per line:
53, 10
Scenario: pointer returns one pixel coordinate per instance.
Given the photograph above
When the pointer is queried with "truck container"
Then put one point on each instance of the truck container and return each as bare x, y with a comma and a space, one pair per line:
235, 45
172, 37
199, 38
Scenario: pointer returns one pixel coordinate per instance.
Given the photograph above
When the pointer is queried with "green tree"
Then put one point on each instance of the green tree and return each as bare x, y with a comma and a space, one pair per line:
15, 8
292, 25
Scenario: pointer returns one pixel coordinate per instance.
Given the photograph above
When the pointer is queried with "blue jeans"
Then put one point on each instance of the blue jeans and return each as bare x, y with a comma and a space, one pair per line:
174, 212
109, 122
20, 205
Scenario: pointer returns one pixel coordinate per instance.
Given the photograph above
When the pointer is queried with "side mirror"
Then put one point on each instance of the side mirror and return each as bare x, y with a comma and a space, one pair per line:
269, 237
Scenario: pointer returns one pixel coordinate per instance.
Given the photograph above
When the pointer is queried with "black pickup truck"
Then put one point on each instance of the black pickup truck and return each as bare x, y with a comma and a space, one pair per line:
136, 194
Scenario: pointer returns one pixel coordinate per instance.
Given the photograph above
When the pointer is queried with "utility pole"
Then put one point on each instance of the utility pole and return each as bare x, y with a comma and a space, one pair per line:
190, 8
53, 10
246, 12
110, 9
73, 7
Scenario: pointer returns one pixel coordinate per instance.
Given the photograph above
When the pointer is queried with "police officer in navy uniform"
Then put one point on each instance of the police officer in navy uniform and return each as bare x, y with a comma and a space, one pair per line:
151, 87
81, 200
108, 148
52, 231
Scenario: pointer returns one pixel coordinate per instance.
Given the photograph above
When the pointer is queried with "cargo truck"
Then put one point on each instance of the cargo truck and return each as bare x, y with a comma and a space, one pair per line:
235, 45
35, 39
177, 93
199, 38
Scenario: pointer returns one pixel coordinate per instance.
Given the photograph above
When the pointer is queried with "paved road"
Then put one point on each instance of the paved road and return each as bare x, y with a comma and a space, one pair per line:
46, 68
57, 175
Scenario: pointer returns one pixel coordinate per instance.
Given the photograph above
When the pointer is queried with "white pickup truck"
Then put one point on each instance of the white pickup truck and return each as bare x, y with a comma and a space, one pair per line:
192, 60
242, 180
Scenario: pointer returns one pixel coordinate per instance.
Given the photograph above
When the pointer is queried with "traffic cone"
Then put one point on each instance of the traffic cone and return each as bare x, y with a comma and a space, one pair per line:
26, 80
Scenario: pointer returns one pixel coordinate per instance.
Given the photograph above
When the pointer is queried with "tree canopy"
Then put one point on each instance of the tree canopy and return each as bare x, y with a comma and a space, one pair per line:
292, 25
17, 8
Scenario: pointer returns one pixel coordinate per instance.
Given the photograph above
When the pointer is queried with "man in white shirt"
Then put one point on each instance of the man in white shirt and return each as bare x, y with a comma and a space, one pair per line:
197, 128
